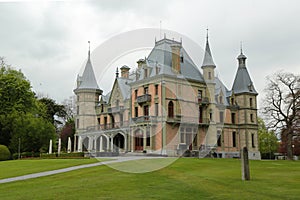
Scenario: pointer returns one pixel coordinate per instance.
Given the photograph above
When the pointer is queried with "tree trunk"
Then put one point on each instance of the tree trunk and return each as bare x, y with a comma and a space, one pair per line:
289, 146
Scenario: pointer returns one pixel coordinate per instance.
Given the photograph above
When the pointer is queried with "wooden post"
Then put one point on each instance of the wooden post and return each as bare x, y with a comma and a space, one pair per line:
245, 165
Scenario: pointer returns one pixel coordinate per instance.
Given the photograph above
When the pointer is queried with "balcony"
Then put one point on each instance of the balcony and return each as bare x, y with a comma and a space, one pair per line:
203, 101
143, 119
108, 126
115, 109
143, 98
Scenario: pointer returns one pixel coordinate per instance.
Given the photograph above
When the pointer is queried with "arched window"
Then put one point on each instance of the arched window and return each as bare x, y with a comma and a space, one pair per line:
171, 109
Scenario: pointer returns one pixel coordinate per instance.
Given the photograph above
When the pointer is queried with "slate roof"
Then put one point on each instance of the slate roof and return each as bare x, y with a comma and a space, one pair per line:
88, 80
161, 56
124, 87
242, 82
208, 60
221, 87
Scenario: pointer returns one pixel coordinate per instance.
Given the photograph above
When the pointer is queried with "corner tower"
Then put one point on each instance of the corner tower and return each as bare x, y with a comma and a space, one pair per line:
208, 67
245, 96
87, 93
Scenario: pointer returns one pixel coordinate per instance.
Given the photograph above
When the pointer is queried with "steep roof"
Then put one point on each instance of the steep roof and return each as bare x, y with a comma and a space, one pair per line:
208, 60
88, 80
220, 87
124, 87
161, 56
242, 82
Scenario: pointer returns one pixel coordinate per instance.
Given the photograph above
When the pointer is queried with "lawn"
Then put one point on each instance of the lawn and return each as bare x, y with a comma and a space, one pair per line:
14, 168
187, 178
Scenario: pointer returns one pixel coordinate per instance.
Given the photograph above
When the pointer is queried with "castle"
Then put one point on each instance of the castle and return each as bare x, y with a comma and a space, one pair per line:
168, 107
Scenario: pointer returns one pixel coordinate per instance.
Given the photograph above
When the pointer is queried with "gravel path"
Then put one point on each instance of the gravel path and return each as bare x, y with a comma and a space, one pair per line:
47, 173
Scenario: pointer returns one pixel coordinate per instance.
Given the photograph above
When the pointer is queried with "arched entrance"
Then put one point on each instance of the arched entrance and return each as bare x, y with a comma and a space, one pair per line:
138, 140
102, 144
85, 144
119, 142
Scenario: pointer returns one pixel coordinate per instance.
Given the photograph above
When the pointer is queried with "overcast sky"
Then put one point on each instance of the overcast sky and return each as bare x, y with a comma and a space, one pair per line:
48, 40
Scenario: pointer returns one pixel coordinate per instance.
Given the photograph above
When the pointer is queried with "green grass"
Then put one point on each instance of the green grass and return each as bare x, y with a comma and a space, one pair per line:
187, 178
14, 168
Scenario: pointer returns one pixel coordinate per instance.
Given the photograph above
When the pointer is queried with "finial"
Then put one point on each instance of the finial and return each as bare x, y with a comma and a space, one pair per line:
155, 39
241, 47
207, 33
160, 29
117, 73
164, 35
89, 53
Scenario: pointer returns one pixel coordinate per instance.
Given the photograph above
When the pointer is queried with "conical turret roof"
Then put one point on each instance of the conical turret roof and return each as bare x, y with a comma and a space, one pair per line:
208, 60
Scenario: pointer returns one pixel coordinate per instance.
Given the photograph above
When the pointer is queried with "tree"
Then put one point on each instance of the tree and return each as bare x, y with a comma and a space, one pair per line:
282, 104
268, 142
21, 114
67, 131
16, 96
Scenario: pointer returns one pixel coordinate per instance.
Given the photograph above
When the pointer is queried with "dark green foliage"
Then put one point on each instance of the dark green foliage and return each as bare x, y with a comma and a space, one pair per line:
4, 153
22, 116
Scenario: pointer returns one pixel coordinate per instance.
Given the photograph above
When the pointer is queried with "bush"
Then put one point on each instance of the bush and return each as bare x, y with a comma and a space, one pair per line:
4, 153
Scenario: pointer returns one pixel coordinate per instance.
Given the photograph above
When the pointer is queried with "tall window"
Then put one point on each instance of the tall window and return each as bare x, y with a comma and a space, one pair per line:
156, 109
77, 110
121, 119
219, 141
200, 115
232, 101
147, 137
233, 118
146, 110
220, 99
145, 90
98, 120
145, 73
234, 139
77, 123
135, 94
105, 122
156, 89
251, 103
209, 75
252, 140
182, 134
136, 111
221, 116
251, 118
171, 109
199, 94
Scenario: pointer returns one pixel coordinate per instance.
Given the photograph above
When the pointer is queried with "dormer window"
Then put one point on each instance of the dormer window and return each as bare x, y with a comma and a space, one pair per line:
220, 99
181, 59
145, 73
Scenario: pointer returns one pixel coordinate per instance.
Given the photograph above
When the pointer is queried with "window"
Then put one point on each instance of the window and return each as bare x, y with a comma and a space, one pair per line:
220, 99
219, 141
200, 115
102, 108
232, 101
251, 118
233, 118
209, 75
147, 137
146, 111
156, 109
170, 109
121, 119
234, 139
98, 120
145, 73
181, 59
211, 116
136, 111
77, 98
77, 110
145, 90
182, 135
252, 140
135, 94
251, 103
221, 117
77, 123
105, 122
156, 89
199, 94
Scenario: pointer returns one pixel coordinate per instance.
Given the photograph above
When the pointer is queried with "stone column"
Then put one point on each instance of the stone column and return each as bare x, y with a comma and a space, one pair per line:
101, 145
79, 144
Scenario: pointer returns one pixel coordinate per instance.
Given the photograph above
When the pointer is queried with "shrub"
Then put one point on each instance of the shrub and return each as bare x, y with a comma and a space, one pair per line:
4, 153
64, 155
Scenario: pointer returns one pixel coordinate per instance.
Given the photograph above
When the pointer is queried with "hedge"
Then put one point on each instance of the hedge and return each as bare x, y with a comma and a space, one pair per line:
64, 155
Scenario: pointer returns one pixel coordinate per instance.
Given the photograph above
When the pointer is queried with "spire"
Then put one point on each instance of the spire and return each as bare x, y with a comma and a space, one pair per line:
88, 80
117, 73
242, 82
89, 52
208, 60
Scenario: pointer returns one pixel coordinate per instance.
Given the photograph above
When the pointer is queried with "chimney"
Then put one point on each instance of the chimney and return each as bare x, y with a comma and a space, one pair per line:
140, 63
125, 71
176, 47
